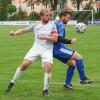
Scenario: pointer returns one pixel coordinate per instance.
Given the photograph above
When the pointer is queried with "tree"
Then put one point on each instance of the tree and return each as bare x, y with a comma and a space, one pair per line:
3, 4
89, 5
78, 2
21, 15
11, 8
8, 1
33, 16
52, 3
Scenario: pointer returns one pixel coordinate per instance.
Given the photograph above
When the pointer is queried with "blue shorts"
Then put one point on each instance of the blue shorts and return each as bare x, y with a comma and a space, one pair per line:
63, 53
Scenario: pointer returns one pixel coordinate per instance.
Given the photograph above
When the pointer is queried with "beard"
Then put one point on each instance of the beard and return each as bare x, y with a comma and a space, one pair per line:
45, 21
65, 22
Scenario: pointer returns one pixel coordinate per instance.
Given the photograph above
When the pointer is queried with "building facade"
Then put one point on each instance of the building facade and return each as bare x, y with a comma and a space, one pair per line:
23, 5
69, 5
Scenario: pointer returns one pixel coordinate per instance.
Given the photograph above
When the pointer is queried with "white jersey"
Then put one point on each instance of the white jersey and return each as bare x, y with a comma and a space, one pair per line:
43, 29
41, 48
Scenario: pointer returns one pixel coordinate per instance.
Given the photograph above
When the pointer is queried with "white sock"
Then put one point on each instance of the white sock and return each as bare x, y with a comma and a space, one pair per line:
47, 77
17, 75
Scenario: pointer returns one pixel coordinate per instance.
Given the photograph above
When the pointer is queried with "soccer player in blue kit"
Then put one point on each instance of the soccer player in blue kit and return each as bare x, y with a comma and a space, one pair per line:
68, 55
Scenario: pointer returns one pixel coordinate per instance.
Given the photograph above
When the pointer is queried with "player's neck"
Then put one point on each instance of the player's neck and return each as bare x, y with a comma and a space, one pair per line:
44, 23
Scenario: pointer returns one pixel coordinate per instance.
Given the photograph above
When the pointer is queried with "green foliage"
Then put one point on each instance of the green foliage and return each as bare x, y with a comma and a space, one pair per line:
13, 17
3, 12
97, 15
21, 15
11, 8
3, 4
3, 15
33, 16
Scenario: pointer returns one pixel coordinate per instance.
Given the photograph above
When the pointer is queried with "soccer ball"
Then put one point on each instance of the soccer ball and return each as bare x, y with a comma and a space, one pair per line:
80, 27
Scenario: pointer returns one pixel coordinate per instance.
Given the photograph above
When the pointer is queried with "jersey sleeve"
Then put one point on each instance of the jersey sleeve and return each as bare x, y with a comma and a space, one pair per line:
60, 28
30, 28
54, 29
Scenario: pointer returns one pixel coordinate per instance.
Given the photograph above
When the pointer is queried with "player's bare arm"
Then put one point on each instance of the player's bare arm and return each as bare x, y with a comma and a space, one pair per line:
18, 32
52, 38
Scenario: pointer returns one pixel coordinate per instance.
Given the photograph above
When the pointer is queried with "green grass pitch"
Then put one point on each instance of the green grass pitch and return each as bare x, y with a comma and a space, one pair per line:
30, 85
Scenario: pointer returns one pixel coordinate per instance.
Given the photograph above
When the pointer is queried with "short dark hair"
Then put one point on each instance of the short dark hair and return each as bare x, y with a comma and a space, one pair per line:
64, 13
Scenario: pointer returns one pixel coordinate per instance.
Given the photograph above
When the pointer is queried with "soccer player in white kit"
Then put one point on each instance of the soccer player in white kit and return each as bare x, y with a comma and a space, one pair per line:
45, 34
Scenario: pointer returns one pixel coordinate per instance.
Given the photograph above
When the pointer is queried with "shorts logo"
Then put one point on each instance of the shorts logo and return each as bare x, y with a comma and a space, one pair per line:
66, 51
37, 28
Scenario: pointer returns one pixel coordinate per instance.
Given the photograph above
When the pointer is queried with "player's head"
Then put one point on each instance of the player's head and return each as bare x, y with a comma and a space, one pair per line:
45, 15
64, 16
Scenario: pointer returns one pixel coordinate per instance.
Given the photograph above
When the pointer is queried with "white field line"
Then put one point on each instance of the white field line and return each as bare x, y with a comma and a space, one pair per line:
55, 83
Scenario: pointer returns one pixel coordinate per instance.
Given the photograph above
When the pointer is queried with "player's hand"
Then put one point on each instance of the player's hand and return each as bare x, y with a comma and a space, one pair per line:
39, 36
12, 33
73, 40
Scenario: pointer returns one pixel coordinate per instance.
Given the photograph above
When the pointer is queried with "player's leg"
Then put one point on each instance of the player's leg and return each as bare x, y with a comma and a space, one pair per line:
64, 54
80, 66
69, 74
30, 56
47, 61
21, 69
79, 63
47, 77
18, 73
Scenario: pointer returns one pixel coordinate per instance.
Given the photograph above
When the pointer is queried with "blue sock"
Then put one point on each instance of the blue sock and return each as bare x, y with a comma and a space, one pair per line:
80, 67
69, 74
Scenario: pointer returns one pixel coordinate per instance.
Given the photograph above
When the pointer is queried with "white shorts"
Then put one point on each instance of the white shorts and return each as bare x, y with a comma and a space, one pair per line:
46, 55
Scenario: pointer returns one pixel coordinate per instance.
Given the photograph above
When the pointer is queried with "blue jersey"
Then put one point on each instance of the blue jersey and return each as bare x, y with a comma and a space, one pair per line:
61, 52
60, 31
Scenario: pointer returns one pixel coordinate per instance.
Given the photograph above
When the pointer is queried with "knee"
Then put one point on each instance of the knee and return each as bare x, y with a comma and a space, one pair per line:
25, 65
47, 67
71, 63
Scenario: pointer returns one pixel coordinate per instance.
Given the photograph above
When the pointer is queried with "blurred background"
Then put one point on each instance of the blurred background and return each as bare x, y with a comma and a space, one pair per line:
87, 11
